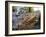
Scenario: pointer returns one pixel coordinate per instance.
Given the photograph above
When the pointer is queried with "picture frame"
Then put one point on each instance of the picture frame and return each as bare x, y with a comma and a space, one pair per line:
11, 6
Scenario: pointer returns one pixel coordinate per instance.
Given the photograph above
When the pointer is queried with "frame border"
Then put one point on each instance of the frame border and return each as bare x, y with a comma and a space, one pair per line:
6, 18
